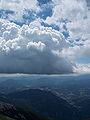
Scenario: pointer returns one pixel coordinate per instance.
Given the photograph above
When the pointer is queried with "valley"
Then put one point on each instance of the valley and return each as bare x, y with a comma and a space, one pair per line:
55, 96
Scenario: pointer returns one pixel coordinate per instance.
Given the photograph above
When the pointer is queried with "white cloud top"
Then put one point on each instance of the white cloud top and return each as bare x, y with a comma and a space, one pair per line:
31, 49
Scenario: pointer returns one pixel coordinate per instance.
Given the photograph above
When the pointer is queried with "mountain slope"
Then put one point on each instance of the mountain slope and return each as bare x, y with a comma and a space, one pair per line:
11, 112
3, 117
44, 102
84, 106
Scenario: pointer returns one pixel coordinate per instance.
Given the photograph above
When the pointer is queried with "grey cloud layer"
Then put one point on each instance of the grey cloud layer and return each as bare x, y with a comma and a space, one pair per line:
31, 49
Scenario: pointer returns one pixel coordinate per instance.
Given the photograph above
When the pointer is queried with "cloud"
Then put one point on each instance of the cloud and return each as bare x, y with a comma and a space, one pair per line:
78, 51
16, 5
19, 7
72, 14
35, 46
32, 49
25, 11
82, 68
71, 10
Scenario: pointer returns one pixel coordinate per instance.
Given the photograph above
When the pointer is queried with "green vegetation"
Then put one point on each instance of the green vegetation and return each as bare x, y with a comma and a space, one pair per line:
10, 112
58, 97
3, 117
45, 102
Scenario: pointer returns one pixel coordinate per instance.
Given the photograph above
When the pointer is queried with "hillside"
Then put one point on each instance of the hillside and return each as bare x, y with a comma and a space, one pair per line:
43, 94
44, 102
3, 117
84, 106
10, 112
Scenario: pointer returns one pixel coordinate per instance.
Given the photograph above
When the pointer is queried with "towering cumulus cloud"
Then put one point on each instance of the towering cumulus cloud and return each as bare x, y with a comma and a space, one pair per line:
31, 49
44, 36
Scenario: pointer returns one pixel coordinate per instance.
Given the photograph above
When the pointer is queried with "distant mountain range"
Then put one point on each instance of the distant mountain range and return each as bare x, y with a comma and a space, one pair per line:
58, 97
44, 102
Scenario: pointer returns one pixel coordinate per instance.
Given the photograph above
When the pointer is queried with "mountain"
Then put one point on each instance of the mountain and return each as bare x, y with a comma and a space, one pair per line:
44, 102
84, 106
86, 119
74, 89
10, 112
10, 85
64, 84
3, 117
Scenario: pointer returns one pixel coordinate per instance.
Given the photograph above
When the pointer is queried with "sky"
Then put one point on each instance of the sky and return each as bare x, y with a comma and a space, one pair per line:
45, 36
